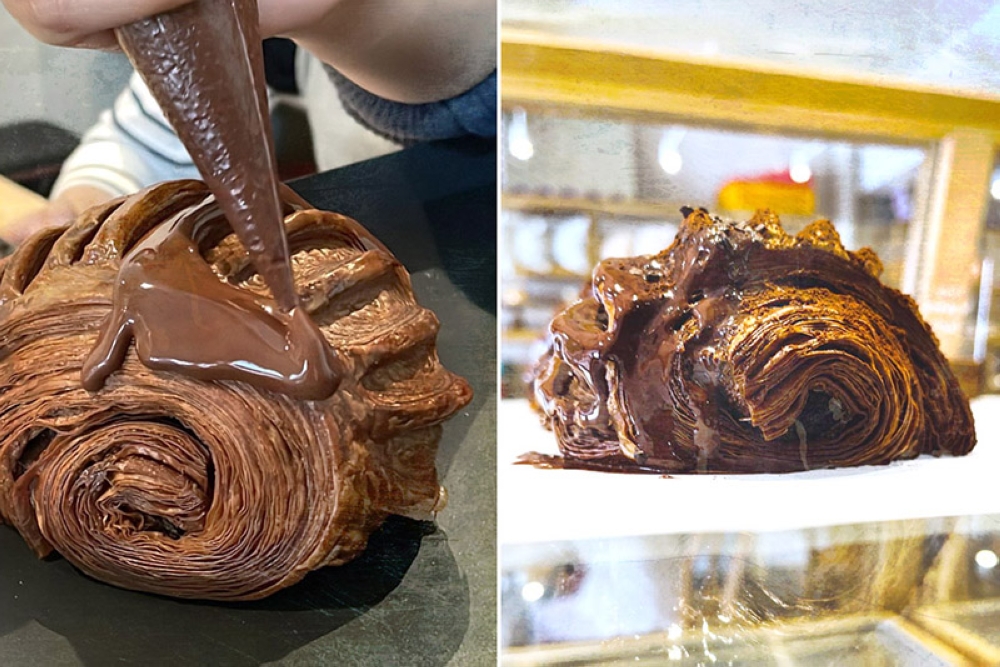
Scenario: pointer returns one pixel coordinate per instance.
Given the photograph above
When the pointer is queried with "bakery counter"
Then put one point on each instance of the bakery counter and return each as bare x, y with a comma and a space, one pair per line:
422, 593
892, 564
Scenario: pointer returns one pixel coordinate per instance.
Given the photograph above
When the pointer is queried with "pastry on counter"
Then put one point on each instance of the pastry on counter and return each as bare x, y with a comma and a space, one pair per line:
743, 349
217, 451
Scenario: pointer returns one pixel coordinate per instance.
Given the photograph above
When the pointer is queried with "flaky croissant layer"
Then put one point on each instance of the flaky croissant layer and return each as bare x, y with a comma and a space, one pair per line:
741, 348
219, 490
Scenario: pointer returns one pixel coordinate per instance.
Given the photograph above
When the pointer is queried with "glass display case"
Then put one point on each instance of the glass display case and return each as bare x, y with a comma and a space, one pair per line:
918, 592
888, 118
990, 303
624, 194
614, 118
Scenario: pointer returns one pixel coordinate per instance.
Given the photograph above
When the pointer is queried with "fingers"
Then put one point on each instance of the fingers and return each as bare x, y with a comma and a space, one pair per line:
90, 23
83, 23
287, 16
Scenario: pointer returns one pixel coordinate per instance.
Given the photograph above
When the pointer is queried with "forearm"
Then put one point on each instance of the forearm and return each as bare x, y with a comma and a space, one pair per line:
61, 210
411, 51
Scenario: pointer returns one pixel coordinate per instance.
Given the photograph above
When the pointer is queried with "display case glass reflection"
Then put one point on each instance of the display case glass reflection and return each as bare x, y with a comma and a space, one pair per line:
579, 190
918, 592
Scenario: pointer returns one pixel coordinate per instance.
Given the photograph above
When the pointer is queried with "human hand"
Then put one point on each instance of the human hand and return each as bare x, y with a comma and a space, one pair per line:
60, 211
83, 23
91, 23
414, 51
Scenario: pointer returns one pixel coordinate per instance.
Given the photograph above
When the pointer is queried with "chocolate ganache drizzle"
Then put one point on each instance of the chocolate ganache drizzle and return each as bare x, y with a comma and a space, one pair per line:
743, 349
203, 64
183, 317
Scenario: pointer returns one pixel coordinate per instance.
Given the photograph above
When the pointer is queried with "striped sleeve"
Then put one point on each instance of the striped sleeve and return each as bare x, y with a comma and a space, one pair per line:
131, 146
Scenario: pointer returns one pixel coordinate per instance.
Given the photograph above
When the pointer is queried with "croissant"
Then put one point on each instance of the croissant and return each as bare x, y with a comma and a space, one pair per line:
219, 490
741, 348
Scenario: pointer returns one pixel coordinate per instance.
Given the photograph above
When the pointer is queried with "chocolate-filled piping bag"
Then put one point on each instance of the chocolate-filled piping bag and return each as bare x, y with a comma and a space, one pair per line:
204, 66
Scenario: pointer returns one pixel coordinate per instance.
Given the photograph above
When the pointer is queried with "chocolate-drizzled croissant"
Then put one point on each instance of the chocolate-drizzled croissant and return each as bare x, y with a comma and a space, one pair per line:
741, 348
218, 490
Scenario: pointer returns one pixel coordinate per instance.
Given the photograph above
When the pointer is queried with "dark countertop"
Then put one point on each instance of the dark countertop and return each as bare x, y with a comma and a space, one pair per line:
422, 594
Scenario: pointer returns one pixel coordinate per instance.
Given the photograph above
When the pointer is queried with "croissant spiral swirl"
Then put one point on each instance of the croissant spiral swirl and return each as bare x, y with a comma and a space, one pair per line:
218, 490
743, 349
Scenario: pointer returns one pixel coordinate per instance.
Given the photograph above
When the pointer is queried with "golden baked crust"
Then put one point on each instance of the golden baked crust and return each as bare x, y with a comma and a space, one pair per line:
220, 490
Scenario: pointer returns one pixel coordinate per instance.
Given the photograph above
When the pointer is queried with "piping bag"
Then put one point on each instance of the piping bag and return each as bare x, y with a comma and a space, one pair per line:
204, 65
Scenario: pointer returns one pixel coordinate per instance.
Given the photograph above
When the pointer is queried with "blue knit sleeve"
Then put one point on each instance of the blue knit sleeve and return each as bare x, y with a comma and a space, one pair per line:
474, 112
